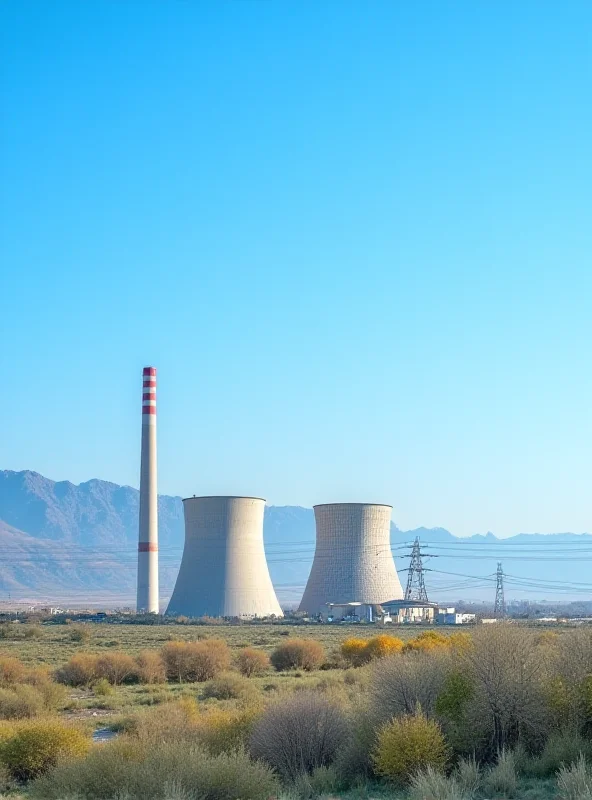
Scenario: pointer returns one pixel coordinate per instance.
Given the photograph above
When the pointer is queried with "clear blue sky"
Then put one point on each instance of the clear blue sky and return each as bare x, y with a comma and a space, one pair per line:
355, 239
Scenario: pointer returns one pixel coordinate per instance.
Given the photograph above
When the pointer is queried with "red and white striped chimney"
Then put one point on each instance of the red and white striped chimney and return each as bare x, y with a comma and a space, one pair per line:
148, 535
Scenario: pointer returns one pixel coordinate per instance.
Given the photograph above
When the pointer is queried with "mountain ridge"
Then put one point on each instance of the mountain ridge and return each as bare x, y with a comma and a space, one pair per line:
63, 539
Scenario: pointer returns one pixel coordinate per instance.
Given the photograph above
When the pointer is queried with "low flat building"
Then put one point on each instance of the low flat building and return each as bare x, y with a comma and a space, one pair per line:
410, 611
450, 616
352, 612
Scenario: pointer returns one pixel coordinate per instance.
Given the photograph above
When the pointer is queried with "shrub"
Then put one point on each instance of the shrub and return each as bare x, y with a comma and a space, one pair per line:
323, 782
174, 656
561, 749
195, 661
502, 777
224, 730
428, 641
299, 735
306, 654
575, 782
171, 722
79, 633
407, 745
12, 670
468, 776
36, 676
353, 762
102, 688
400, 684
354, 651
7, 784
20, 702
456, 693
80, 670
573, 658
228, 686
117, 668
383, 645
508, 675
431, 784
126, 769
460, 642
33, 632
37, 746
251, 661
150, 667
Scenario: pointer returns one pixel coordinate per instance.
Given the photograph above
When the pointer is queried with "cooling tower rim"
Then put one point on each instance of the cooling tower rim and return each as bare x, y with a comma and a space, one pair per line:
337, 505
222, 497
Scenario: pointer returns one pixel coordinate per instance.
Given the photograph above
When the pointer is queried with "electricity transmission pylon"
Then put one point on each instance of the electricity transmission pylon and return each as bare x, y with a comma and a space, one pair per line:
416, 589
499, 610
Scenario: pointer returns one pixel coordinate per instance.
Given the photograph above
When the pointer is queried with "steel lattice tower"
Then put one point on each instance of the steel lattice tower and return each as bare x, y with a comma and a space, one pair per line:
416, 589
499, 610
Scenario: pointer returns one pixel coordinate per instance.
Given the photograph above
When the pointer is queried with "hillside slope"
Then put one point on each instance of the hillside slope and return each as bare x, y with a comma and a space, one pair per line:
65, 542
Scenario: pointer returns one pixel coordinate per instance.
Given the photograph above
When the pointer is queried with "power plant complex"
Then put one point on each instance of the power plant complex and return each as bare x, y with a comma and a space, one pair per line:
224, 570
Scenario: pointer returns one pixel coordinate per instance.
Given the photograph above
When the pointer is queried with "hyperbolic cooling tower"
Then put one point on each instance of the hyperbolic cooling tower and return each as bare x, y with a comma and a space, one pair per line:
353, 560
224, 572
148, 534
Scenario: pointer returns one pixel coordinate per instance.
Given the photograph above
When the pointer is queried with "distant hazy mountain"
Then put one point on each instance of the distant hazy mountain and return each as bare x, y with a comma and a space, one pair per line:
63, 542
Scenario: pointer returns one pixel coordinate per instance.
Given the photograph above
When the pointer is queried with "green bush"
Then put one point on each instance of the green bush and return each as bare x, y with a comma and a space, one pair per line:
503, 777
353, 761
228, 686
32, 632
561, 749
306, 654
323, 782
453, 699
36, 747
127, 769
79, 633
407, 745
224, 730
21, 702
431, 784
468, 776
102, 688
54, 694
575, 782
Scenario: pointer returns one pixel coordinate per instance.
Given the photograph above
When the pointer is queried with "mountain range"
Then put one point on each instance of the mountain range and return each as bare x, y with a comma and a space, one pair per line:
67, 543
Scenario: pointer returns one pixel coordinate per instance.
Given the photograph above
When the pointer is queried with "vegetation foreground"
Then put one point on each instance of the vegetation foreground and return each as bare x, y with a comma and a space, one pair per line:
254, 712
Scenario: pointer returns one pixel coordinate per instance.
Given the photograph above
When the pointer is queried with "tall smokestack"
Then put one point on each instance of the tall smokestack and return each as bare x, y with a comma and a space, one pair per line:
148, 539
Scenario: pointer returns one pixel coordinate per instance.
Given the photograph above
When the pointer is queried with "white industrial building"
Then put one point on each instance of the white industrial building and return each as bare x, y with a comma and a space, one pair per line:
410, 611
450, 616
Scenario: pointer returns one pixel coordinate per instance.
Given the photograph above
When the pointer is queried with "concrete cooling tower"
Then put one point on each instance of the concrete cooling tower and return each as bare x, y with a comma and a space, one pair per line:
224, 572
353, 560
